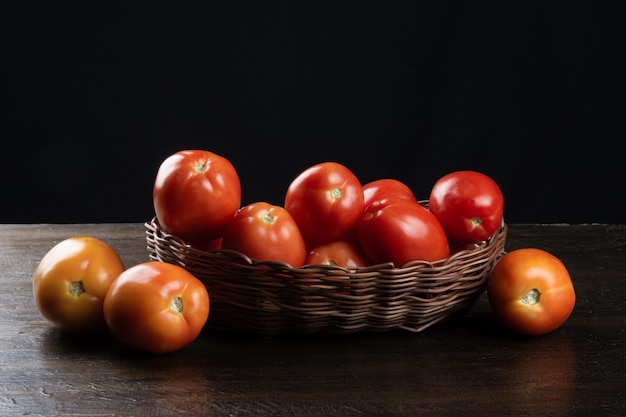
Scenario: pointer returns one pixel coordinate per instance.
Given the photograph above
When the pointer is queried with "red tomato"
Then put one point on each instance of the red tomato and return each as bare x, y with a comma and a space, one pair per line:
530, 291
398, 231
196, 194
379, 190
339, 253
456, 247
156, 307
326, 201
71, 280
468, 204
385, 188
266, 232
210, 245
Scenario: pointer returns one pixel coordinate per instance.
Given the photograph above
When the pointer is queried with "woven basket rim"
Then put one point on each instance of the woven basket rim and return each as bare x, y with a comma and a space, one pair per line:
154, 226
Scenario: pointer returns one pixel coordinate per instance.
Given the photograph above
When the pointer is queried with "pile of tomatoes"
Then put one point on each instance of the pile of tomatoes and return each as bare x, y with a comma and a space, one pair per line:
82, 286
327, 217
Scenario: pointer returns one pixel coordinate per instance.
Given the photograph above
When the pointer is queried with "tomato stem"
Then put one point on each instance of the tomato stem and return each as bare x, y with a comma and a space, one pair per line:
176, 304
200, 167
476, 221
531, 297
336, 193
76, 288
267, 218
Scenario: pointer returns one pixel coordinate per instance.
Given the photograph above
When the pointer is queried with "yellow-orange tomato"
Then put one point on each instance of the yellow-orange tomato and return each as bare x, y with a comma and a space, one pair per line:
531, 291
156, 307
71, 280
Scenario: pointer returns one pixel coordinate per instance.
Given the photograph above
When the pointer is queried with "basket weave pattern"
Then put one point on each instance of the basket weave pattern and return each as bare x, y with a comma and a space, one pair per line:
270, 297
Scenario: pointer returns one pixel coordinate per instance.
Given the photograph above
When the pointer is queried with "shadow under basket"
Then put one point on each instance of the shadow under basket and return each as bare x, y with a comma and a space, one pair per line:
269, 297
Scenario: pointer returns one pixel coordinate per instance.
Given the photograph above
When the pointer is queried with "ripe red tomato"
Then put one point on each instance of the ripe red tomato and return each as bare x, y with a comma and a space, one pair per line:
326, 201
398, 231
196, 194
338, 253
156, 307
530, 291
71, 281
468, 204
379, 190
385, 188
264, 231
210, 245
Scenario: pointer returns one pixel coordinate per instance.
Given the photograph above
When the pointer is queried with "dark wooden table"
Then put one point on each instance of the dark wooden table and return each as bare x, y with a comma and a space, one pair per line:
466, 367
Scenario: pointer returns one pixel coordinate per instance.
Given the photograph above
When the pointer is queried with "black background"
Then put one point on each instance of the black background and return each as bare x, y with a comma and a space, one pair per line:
96, 95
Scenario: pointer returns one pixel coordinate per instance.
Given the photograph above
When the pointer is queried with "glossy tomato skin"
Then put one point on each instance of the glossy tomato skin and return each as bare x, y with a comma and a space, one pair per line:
156, 307
531, 291
379, 190
468, 204
398, 231
196, 194
326, 201
339, 253
71, 281
264, 231
210, 245
386, 188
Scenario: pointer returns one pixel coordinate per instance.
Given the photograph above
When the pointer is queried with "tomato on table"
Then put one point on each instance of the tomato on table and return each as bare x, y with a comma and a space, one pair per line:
196, 194
468, 204
398, 231
156, 307
71, 281
530, 291
326, 201
264, 231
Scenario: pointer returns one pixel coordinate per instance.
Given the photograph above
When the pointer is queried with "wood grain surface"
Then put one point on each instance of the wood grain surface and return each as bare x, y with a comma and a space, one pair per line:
469, 366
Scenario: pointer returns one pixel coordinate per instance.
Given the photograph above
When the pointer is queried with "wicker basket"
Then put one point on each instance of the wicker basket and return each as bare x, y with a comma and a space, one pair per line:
270, 297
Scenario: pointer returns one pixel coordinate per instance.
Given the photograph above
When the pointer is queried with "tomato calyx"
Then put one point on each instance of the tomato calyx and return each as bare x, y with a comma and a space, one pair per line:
336, 193
267, 218
76, 288
476, 221
176, 304
532, 297
200, 167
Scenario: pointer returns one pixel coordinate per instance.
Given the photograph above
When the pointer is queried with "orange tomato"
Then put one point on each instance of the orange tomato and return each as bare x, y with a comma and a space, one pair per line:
156, 307
71, 281
530, 291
